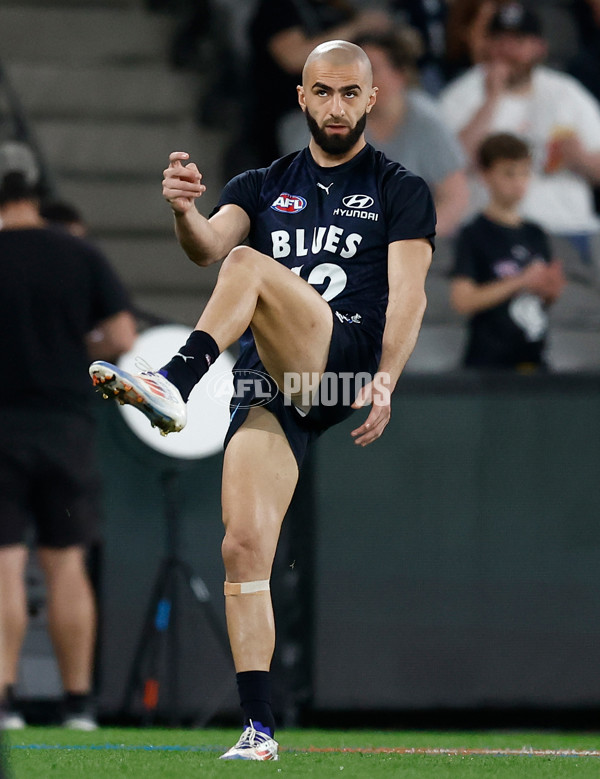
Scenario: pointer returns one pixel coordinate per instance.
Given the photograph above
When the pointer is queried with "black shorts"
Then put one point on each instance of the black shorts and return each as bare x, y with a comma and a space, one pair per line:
353, 350
48, 479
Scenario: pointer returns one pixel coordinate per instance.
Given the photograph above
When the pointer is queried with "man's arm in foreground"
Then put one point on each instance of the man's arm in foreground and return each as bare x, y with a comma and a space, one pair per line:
204, 240
408, 263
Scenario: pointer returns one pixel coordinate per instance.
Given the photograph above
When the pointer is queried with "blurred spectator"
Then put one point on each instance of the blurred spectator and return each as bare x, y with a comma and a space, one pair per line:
209, 37
282, 34
585, 66
15, 155
195, 20
467, 34
404, 125
504, 278
55, 289
61, 214
58, 213
429, 18
586, 14
513, 92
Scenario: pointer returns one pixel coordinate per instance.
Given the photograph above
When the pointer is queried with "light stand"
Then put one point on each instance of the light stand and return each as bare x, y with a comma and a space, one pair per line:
159, 633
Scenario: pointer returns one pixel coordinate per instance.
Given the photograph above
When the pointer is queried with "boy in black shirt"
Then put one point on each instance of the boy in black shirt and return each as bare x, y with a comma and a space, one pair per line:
503, 276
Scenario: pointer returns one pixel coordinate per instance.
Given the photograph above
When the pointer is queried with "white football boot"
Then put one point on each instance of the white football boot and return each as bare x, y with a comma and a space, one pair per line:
253, 745
149, 391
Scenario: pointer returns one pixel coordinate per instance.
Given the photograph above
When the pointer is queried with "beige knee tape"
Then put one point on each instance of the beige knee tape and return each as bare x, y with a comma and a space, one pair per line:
246, 588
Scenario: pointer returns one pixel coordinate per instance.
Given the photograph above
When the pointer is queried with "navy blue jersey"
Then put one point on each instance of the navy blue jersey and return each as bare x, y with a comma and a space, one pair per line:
333, 226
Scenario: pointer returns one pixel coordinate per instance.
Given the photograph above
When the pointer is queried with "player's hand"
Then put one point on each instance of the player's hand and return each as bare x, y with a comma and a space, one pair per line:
378, 394
182, 184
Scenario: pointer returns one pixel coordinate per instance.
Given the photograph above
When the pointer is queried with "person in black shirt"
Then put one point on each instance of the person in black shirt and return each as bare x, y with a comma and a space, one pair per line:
56, 289
327, 301
59, 213
504, 277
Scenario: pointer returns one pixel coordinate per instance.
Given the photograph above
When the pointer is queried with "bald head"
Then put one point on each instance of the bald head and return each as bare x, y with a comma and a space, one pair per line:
339, 54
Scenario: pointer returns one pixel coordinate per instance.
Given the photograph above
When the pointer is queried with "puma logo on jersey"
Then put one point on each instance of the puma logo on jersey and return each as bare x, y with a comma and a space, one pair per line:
328, 239
322, 186
289, 204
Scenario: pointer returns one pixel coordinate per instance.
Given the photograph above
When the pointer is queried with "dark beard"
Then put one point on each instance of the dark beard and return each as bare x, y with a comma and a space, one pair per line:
336, 145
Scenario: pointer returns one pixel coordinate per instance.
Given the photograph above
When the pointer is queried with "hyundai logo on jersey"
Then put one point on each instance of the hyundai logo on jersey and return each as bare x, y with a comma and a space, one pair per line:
289, 204
358, 201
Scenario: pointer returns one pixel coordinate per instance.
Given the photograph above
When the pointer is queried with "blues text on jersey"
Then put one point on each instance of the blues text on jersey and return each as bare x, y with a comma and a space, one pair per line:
332, 226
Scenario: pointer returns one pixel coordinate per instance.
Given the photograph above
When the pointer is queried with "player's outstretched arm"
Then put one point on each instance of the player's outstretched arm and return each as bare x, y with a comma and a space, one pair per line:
204, 240
408, 263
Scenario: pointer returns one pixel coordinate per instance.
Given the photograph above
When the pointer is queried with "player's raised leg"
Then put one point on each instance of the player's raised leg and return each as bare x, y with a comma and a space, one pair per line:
291, 322
259, 477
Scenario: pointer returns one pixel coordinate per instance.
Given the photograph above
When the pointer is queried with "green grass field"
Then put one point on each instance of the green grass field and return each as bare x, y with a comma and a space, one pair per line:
44, 753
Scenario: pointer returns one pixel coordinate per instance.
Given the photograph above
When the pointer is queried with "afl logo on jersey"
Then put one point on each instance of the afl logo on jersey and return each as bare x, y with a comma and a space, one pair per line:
289, 204
358, 201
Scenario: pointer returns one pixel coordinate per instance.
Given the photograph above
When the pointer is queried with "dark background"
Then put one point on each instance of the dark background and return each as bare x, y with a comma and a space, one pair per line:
458, 557
448, 574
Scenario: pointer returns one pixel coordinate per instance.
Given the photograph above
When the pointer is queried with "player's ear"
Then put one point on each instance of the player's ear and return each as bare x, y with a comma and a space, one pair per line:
372, 98
301, 97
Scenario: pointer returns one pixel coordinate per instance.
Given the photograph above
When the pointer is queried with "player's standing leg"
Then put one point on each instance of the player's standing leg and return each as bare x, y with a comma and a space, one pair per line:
259, 477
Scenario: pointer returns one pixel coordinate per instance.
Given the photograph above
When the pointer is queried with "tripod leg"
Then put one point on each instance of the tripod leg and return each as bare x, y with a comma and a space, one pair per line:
172, 656
203, 599
147, 643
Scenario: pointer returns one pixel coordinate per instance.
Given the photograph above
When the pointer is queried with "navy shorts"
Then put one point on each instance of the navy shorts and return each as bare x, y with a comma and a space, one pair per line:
352, 351
48, 479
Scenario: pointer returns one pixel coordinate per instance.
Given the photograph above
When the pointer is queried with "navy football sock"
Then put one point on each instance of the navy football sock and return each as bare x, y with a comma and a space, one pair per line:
254, 688
191, 362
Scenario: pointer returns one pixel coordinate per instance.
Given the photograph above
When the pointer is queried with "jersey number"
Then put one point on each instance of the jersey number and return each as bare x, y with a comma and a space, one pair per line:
327, 270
